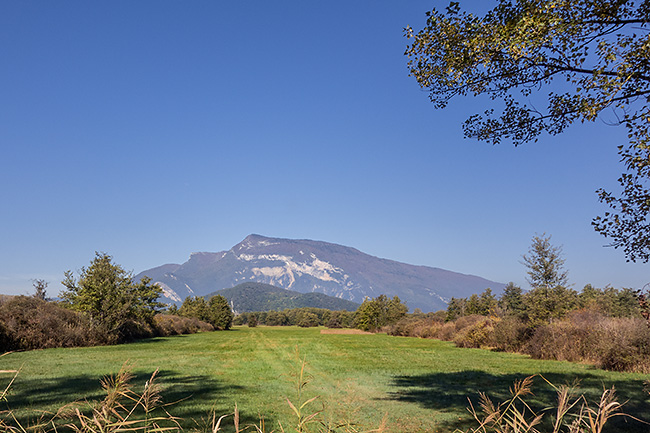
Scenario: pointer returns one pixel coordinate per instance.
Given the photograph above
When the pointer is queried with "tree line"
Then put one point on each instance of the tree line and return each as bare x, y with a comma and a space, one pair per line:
372, 315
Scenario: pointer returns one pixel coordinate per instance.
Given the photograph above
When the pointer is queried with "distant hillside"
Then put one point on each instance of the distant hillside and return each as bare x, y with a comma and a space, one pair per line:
251, 296
308, 266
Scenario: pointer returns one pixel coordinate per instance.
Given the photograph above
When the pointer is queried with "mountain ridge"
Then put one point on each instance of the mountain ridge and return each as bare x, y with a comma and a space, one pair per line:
305, 265
251, 296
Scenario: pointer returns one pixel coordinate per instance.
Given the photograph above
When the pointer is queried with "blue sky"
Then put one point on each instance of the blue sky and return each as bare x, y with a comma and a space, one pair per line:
153, 129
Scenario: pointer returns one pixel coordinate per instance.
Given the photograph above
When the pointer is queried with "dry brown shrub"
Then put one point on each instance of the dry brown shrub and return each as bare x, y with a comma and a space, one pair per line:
31, 323
467, 321
421, 326
478, 334
625, 346
619, 344
510, 334
169, 324
446, 332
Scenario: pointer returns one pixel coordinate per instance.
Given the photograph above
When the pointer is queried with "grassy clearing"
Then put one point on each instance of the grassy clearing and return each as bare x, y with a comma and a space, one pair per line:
421, 385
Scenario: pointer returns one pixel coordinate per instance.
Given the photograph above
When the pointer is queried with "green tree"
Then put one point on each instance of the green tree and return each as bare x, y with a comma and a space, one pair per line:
545, 264
597, 51
487, 302
107, 294
626, 304
367, 316
592, 298
628, 226
512, 300
473, 305
395, 310
219, 313
372, 314
456, 308
544, 303
195, 306
276, 318
308, 320
340, 319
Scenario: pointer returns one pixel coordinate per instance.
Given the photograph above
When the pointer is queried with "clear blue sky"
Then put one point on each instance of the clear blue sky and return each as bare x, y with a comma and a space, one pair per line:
153, 129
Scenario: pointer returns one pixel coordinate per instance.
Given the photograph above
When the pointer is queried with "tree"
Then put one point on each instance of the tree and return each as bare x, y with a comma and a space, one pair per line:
195, 306
372, 314
109, 296
276, 318
512, 300
597, 51
456, 308
629, 225
219, 313
545, 264
473, 305
308, 320
40, 289
487, 302
545, 303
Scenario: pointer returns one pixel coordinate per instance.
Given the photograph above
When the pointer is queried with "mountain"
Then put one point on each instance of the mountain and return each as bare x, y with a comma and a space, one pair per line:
312, 266
251, 296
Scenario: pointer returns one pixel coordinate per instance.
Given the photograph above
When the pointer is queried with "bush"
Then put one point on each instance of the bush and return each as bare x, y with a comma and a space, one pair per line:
417, 326
618, 344
29, 323
626, 346
510, 334
169, 324
476, 335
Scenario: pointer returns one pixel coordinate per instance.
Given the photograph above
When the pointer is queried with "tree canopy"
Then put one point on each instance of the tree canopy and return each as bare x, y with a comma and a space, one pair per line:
109, 296
380, 311
545, 264
216, 311
577, 58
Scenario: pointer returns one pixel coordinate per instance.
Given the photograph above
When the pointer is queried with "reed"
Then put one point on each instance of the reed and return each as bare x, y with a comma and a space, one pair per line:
572, 412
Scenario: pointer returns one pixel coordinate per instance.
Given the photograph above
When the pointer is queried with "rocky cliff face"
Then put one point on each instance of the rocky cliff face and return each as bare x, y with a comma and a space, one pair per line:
313, 266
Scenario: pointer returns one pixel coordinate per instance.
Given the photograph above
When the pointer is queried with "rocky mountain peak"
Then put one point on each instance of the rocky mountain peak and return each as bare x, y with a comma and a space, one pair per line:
314, 266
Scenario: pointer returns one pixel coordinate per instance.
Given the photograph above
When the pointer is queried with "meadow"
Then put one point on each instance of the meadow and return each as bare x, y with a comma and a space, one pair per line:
419, 385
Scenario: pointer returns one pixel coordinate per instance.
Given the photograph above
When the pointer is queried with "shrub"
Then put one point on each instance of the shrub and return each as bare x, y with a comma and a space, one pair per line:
417, 326
29, 323
626, 346
618, 344
476, 335
169, 324
510, 334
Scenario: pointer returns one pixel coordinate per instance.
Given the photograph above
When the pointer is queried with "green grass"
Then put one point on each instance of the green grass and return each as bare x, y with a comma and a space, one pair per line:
421, 385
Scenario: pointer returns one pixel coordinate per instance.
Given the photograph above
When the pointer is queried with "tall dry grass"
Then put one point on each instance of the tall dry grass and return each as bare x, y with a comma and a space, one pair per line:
572, 412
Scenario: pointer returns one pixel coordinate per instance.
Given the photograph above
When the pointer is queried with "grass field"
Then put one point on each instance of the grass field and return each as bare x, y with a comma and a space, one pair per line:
420, 385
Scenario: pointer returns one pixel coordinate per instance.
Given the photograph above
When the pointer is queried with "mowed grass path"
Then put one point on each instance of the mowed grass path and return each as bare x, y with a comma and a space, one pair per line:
420, 385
